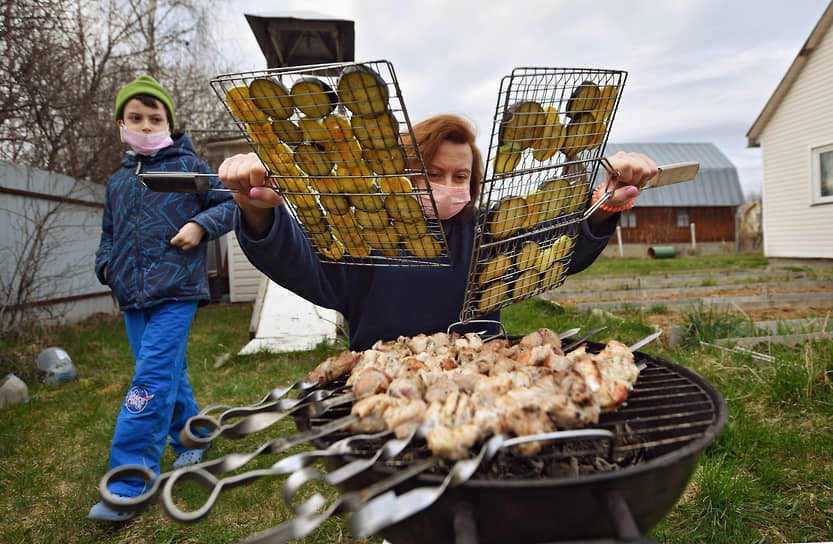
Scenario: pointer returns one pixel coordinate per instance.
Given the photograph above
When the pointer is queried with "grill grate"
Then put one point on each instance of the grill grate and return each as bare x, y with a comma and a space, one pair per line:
667, 411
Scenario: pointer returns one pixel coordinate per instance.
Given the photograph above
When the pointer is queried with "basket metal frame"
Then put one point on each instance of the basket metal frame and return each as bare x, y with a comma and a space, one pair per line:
329, 73
549, 87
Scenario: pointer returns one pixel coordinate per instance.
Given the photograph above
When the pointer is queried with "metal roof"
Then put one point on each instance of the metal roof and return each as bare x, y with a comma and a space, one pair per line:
716, 184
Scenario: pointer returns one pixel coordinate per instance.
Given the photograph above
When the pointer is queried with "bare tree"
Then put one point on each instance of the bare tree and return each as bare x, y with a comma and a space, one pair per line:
65, 61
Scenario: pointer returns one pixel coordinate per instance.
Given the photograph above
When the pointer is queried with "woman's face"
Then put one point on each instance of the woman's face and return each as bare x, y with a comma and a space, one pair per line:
451, 165
140, 118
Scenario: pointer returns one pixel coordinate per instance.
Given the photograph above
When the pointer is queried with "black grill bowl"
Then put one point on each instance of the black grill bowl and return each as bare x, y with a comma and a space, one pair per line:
674, 412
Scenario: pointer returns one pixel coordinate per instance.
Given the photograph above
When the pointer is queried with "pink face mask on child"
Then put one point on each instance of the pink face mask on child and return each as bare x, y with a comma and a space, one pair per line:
450, 200
145, 144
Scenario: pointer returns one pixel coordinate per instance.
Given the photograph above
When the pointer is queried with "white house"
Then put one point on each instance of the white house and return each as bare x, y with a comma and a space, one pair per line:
795, 133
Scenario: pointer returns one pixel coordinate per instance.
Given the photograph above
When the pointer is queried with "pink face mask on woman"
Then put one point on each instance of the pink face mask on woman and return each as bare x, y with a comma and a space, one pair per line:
145, 144
450, 200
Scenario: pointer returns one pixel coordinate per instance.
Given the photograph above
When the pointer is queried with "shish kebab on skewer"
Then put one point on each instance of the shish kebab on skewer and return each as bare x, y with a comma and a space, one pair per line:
475, 389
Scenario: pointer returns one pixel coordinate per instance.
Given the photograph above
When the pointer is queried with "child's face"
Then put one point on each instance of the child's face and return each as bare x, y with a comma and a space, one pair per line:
140, 118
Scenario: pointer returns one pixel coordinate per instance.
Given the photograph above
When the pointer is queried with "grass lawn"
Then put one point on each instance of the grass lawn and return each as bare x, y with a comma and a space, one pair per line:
767, 475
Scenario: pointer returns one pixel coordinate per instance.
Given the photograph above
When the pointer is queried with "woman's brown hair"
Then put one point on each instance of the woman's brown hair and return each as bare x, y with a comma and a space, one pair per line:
432, 132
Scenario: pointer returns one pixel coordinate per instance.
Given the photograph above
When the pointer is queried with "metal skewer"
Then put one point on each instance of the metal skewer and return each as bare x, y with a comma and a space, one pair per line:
201, 430
202, 472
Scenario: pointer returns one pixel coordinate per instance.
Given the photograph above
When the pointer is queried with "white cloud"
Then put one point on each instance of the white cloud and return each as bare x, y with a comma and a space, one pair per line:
698, 70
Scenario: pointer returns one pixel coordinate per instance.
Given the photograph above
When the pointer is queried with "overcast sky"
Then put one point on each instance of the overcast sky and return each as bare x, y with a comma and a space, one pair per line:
698, 70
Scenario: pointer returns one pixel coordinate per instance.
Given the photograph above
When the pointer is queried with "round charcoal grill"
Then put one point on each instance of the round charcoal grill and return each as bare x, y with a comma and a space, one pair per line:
570, 491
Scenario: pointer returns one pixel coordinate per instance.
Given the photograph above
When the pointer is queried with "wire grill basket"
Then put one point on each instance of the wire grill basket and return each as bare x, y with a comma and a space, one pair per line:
548, 134
330, 136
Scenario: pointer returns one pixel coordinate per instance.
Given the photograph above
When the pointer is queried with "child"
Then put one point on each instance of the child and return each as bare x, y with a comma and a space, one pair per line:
153, 257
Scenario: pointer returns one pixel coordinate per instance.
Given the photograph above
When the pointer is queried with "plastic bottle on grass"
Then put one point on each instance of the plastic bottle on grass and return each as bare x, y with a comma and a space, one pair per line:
57, 365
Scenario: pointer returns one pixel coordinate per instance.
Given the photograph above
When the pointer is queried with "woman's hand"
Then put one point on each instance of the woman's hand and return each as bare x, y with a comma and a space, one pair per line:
246, 175
634, 171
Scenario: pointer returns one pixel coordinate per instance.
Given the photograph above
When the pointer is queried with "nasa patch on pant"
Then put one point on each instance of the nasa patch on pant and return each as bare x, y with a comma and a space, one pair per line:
137, 399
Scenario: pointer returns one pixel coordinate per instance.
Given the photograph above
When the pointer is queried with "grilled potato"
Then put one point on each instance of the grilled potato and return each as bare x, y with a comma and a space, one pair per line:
507, 158
395, 185
584, 99
313, 97
335, 251
288, 131
271, 97
362, 91
384, 240
525, 283
494, 268
410, 229
522, 123
279, 159
527, 256
552, 138
574, 197
424, 247
241, 105
403, 207
313, 159
298, 192
314, 130
262, 133
554, 276
492, 296
380, 132
583, 133
312, 219
368, 202
387, 162
507, 217
607, 100
339, 127
346, 153
373, 219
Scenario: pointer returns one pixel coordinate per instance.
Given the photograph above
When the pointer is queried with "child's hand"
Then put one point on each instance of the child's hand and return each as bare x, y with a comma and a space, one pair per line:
189, 236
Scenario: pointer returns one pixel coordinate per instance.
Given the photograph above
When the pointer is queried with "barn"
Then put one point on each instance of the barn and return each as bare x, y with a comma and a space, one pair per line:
697, 216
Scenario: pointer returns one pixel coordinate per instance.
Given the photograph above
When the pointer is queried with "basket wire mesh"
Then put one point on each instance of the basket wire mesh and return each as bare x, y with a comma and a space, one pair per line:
336, 141
549, 130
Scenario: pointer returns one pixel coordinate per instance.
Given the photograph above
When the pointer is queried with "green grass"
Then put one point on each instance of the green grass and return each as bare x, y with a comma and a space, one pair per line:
643, 267
767, 474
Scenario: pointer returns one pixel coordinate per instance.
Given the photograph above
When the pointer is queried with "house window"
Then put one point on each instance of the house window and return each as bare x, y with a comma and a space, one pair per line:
628, 219
821, 174
683, 220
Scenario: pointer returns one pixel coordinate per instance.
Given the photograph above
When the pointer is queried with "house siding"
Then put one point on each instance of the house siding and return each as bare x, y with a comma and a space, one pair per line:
244, 279
792, 226
659, 225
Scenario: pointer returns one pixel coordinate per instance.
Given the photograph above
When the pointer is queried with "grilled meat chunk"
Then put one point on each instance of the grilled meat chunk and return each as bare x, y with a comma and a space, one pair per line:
472, 389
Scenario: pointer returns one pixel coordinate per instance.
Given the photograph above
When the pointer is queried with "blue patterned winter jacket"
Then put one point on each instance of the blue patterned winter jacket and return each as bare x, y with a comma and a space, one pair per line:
143, 268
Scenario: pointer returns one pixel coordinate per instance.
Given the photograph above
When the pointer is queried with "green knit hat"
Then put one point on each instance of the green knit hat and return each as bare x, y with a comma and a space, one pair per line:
144, 85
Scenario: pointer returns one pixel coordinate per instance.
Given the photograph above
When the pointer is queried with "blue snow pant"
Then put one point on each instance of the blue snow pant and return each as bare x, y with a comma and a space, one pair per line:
160, 400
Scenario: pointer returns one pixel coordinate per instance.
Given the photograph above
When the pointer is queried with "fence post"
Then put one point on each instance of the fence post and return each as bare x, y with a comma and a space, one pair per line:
693, 238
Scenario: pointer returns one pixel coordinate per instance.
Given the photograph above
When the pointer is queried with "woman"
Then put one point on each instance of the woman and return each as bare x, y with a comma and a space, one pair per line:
382, 303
